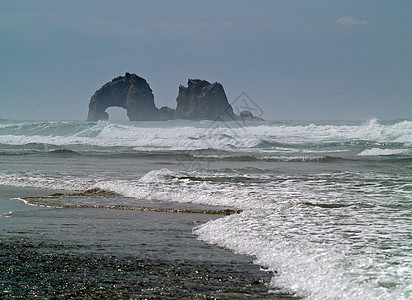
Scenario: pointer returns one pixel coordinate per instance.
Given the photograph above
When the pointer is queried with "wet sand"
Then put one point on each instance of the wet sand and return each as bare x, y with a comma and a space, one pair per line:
89, 253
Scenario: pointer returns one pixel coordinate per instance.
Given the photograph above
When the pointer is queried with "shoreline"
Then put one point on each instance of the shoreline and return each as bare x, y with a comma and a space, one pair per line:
88, 252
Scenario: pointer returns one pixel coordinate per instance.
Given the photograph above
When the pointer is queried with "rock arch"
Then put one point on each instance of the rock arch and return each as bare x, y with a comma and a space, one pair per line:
200, 100
130, 92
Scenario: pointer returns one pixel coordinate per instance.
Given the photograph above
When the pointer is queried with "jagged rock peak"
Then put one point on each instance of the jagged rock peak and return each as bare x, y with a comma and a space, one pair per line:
202, 100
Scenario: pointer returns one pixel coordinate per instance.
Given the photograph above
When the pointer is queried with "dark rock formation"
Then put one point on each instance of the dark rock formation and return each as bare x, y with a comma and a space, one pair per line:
248, 116
131, 92
166, 113
201, 100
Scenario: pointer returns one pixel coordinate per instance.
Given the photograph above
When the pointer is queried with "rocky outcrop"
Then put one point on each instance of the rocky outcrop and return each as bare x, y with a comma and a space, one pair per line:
248, 116
166, 113
201, 100
131, 92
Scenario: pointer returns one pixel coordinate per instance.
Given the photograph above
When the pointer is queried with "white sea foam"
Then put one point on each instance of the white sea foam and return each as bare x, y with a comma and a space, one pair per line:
44, 182
302, 265
384, 152
164, 185
206, 135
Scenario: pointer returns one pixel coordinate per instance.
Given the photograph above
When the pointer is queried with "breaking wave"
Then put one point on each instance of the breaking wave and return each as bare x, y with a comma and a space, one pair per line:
207, 135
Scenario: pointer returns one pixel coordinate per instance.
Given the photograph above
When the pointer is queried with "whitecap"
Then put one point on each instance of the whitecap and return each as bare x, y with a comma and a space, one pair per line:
384, 152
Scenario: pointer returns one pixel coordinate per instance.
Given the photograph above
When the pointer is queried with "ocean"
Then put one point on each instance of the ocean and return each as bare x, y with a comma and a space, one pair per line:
322, 209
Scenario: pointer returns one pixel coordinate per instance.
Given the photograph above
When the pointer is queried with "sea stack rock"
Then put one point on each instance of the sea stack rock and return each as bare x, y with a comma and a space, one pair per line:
131, 92
166, 113
202, 100
248, 116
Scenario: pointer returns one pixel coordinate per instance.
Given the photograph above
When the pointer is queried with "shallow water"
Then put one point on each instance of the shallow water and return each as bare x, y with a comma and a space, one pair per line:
118, 254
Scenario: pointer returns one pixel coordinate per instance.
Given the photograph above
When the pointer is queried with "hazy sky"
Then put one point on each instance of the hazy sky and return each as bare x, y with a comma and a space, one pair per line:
308, 60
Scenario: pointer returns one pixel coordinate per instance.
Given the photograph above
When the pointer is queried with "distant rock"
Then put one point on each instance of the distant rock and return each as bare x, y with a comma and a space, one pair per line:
248, 116
202, 100
131, 92
166, 113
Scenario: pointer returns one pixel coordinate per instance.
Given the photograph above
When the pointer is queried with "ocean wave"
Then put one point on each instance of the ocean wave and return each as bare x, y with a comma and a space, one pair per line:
157, 185
195, 154
207, 135
33, 149
227, 187
268, 158
306, 246
47, 128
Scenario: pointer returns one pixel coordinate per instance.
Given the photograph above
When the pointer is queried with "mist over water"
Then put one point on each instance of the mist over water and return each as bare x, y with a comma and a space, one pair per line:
326, 206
